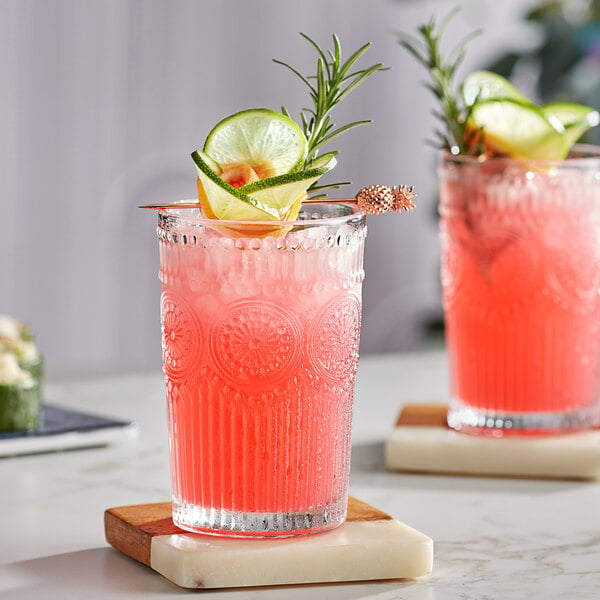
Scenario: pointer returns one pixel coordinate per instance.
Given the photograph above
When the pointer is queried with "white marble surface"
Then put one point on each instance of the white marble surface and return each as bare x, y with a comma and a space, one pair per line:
493, 538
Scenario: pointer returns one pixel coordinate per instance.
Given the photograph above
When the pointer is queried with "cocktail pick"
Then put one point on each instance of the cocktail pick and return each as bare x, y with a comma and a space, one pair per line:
373, 199
161, 205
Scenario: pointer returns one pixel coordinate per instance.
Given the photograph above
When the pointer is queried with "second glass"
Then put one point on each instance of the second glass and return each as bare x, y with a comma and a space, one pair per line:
260, 330
521, 282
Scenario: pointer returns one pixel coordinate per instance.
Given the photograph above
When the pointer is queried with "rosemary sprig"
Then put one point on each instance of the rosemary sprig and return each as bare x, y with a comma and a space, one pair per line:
453, 113
333, 81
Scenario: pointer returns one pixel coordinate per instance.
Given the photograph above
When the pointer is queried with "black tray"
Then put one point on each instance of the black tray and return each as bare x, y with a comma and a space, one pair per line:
63, 429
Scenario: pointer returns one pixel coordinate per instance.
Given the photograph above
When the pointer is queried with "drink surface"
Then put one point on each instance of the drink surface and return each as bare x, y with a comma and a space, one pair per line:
521, 276
260, 350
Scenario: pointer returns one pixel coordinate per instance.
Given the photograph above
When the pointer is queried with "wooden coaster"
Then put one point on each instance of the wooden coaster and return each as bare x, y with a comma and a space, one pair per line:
421, 441
369, 545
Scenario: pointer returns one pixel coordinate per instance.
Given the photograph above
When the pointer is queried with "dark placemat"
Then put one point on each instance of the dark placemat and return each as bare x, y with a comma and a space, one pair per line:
63, 428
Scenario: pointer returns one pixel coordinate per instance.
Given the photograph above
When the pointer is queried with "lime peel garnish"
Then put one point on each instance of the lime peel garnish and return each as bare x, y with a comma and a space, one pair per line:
266, 199
522, 131
314, 173
207, 175
575, 118
479, 86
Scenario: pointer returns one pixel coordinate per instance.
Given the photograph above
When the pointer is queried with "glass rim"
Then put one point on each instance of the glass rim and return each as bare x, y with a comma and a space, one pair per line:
349, 204
580, 154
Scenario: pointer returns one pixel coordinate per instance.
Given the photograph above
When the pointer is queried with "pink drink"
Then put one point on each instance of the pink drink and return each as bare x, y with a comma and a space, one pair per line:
260, 349
521, 282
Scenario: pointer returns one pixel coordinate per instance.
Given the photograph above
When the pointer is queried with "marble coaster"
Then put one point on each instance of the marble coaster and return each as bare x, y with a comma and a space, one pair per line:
421, 441
369, 545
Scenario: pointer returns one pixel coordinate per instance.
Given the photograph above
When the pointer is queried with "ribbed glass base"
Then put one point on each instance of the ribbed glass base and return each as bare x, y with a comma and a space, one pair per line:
214, 521
482, 421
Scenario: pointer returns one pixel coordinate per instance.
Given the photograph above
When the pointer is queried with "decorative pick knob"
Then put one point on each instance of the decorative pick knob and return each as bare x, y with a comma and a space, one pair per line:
379, 199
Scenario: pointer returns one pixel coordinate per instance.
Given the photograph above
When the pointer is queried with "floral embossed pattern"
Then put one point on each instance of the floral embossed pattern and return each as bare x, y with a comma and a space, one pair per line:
259, 390
256, 342
180, 336
334, 338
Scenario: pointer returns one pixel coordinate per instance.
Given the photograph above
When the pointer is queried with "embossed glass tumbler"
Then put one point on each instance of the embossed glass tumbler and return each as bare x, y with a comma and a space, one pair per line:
260, 332
521, 289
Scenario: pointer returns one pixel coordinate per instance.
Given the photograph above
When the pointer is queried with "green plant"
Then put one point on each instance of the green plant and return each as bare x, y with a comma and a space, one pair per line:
333, 81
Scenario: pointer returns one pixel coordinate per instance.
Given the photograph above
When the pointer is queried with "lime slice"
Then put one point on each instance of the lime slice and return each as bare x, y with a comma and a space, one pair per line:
292, 213
575, 118
223, 201
268, 141
252, 228
211, 163
284, 194
485, 85
265, 200
281, 191
521, 131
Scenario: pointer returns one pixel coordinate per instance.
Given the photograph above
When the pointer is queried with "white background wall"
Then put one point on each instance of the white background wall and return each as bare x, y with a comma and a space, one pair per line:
102, 102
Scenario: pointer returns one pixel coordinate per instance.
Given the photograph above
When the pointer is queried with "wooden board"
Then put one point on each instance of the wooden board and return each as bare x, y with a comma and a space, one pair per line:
421, 441
369, 545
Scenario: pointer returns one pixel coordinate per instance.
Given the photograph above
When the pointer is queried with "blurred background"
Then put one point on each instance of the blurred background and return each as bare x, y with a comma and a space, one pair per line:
103, 101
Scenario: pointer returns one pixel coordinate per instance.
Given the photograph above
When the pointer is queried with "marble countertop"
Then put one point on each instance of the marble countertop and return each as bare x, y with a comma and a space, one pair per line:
493, 538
